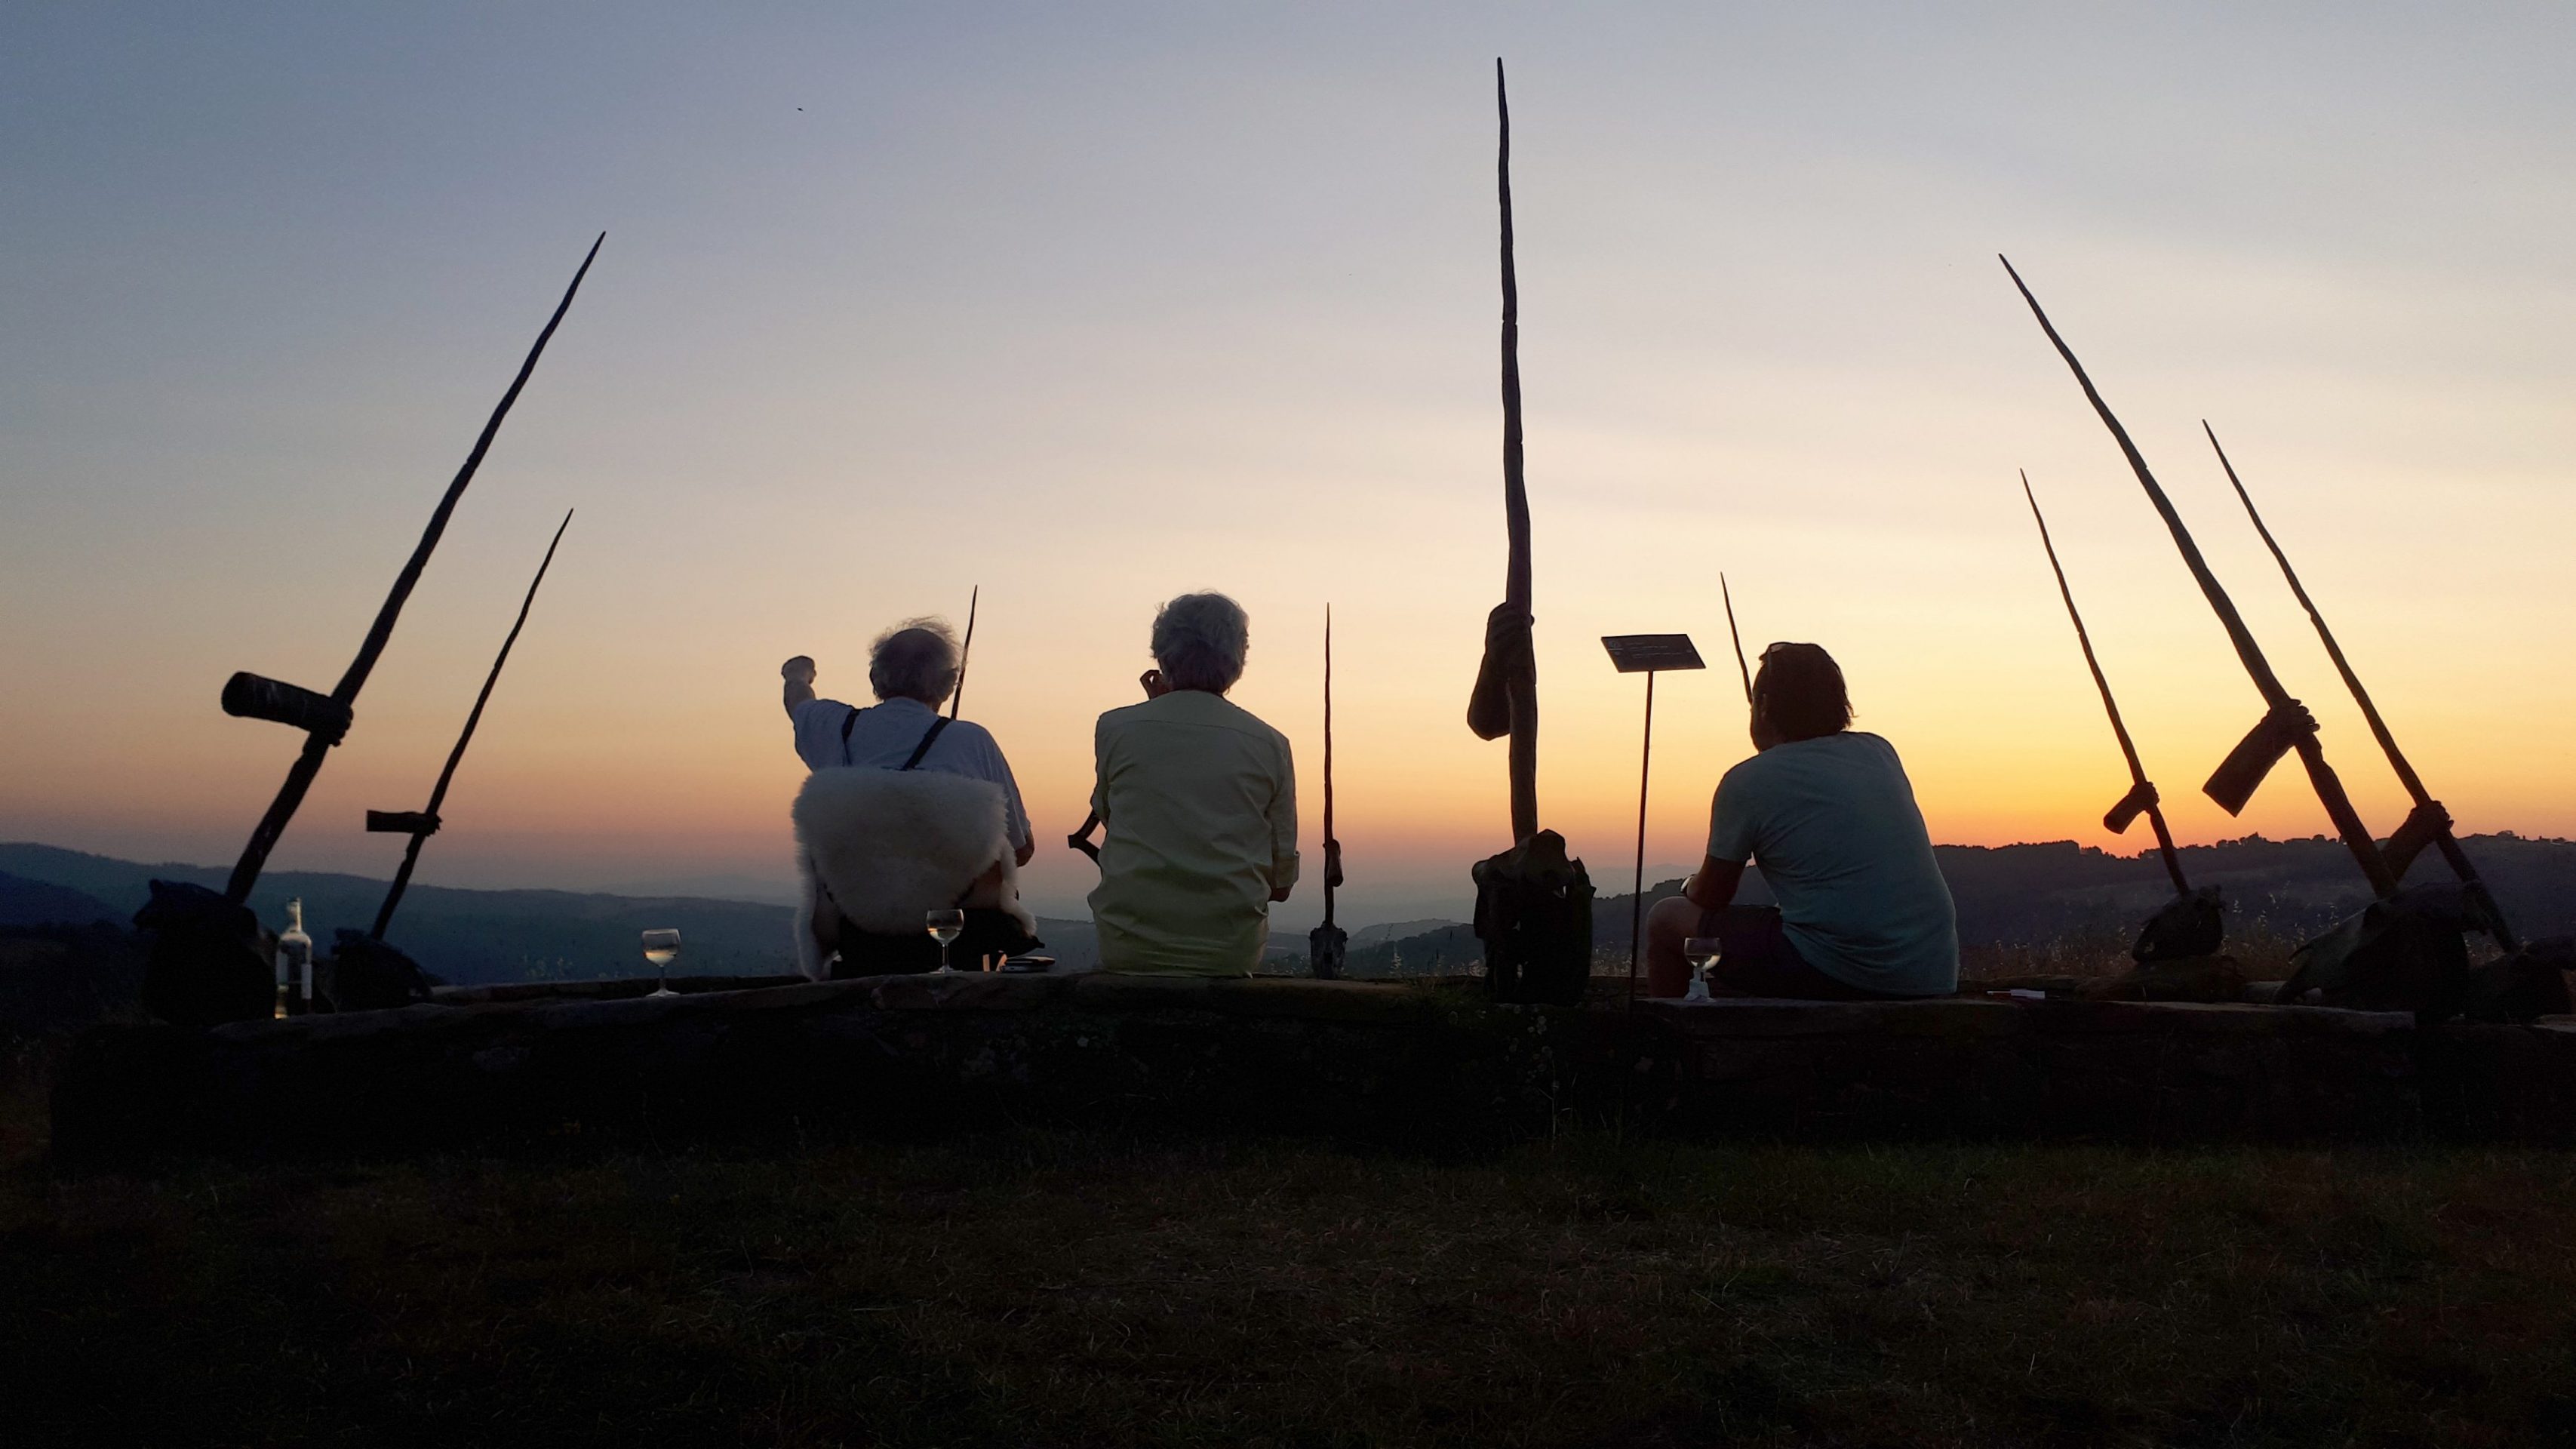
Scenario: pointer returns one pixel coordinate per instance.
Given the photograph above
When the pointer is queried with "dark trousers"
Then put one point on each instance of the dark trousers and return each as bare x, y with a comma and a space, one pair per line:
1756, 958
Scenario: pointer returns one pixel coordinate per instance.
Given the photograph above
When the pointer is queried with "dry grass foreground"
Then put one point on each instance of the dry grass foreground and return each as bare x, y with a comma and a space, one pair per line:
1071, 1288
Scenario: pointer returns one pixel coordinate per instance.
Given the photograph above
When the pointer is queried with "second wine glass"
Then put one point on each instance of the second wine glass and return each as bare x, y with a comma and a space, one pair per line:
1699, 951
662, 948
944, 927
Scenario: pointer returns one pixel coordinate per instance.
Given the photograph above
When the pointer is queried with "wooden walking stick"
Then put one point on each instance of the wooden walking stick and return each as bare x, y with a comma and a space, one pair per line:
2286, 725
965, 651
2142, 795
325, 718
2428, 823
1740, 666
420, 825
1328, 945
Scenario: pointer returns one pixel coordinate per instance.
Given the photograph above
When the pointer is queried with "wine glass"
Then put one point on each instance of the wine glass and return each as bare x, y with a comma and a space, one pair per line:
662, 948
1699, 951
944, 927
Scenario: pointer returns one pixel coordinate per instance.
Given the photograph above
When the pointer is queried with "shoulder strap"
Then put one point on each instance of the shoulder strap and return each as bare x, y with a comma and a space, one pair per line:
848, 721
927, 737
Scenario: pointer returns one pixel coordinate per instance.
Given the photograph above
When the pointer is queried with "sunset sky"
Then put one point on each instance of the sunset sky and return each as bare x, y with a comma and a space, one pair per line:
1090, 305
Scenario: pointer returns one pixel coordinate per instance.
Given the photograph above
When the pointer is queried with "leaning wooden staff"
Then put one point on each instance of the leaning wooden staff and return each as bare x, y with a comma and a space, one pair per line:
2428, 823
2286, 725
423, 823
2193, 923
325, 718
207, 964
1533, 902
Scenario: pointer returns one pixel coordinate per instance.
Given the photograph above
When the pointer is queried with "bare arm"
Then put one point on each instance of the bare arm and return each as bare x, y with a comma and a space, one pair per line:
799, 674
1712, 887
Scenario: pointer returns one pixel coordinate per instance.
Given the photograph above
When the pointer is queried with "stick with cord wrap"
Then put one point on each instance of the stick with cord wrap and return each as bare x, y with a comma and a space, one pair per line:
2286, 725
2428, 823
1328, 945
422, 824
325, 718
1533, 901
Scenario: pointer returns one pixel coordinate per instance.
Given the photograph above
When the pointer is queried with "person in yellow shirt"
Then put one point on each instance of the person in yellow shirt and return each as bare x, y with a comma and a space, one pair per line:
1200, 800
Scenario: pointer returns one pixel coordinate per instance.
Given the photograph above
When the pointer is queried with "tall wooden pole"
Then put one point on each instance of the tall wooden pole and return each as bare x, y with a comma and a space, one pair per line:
2142, 795
1637, 893
965, 651
1328, 945
2279, 727
1741, 668
428, 822
1332, 843
2428, 809
299, 777
1521, 683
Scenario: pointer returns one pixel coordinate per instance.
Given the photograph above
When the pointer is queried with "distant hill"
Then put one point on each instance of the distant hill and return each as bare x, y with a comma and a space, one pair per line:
26, 902
2007, 896
473, 937
2025, 895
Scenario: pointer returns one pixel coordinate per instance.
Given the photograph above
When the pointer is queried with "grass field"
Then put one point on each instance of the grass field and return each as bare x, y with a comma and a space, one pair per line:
1073, 1288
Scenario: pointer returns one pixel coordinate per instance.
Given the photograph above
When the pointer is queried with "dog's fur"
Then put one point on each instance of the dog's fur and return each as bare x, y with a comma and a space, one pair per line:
878, 849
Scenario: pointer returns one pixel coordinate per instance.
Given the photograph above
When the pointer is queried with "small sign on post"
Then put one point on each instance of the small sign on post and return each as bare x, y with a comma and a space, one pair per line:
1647, 654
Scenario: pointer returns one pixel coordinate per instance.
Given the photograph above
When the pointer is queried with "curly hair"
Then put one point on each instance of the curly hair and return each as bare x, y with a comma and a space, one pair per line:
916, 659
1199, 640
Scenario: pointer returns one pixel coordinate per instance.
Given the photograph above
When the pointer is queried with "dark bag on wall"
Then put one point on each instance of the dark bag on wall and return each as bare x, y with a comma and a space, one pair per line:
2405, 953
208, 961
1534, 914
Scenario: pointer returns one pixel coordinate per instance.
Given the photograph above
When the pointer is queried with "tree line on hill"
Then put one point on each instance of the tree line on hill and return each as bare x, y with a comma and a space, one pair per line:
2007, 896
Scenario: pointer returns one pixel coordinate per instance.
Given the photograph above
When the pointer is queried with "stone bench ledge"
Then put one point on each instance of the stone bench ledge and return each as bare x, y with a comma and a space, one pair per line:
1970, 1016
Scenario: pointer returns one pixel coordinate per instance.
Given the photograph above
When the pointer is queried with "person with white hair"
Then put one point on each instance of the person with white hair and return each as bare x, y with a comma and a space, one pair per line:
905, 812
912, 669
1200, 800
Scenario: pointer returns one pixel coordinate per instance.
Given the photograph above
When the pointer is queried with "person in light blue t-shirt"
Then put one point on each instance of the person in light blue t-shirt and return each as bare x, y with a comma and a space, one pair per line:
1828, 815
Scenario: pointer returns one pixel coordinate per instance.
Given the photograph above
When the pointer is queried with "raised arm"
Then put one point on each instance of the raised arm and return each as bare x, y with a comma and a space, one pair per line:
799, 674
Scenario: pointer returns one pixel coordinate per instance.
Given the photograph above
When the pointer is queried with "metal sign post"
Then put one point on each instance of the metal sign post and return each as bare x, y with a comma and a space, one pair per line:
1647, 654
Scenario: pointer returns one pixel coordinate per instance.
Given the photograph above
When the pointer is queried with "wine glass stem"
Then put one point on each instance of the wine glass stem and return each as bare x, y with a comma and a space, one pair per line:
943, 955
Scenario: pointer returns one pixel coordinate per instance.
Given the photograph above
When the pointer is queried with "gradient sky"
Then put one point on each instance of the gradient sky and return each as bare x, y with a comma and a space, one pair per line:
1094, 304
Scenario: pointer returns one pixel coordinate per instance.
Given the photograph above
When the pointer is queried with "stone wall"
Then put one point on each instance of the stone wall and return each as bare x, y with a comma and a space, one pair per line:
1431, 1065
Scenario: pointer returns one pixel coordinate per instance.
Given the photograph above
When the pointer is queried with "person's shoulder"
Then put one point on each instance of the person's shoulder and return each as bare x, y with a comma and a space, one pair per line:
1867, 743
1238, 717
809, 709
1125, 714
1758, 765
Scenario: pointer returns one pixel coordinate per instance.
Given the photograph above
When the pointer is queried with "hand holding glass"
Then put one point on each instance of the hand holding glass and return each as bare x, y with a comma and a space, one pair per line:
944, 927
661, 948
1699, 951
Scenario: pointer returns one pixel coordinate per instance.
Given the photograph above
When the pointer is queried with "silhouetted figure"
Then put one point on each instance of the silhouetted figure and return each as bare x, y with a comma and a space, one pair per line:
906, 812
1828, 814
1200, 801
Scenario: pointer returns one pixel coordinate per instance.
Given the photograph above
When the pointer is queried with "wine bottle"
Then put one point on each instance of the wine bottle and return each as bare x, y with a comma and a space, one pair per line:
294, 964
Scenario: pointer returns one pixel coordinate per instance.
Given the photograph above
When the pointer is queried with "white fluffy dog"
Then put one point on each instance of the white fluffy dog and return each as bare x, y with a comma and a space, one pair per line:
878, 849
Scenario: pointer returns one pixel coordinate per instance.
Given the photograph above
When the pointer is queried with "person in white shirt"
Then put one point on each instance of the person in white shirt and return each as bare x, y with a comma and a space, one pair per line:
912, 669
1827, 813
1200, 798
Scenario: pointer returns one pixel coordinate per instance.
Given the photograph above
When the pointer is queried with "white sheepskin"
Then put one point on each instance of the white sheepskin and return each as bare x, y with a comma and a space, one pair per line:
893, 845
